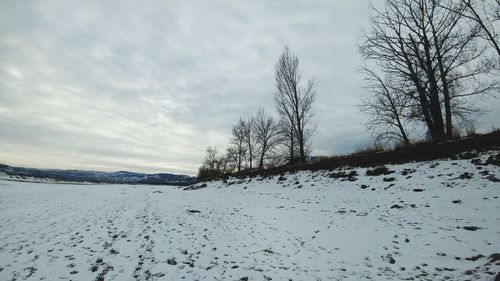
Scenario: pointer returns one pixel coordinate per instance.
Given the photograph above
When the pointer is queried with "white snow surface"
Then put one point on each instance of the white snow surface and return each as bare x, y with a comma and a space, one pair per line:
308, 226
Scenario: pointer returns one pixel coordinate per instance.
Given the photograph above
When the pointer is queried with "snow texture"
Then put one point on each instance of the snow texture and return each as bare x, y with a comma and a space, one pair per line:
432, 220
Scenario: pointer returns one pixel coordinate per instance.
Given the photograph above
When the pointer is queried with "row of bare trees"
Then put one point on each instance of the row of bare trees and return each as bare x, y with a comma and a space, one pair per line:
428, 61
253, 141
264, 141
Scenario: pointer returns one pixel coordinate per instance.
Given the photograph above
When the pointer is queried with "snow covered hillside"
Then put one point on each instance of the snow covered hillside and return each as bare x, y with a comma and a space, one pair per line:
419, 221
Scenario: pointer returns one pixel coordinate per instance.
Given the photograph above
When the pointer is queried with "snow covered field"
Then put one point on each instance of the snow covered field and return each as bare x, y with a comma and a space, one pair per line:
425, 221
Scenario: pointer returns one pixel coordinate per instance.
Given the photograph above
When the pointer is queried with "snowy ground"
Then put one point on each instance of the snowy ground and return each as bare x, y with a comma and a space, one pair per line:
426, 221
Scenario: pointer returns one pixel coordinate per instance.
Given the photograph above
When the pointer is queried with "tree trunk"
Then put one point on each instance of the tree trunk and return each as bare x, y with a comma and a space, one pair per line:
300, 130
444, 81
436, 128
292, 145
261, 160
422, 97
402, 130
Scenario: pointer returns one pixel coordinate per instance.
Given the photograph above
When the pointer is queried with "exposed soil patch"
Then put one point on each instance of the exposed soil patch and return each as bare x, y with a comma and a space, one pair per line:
380, 170
351, 176
471, 228
465, 176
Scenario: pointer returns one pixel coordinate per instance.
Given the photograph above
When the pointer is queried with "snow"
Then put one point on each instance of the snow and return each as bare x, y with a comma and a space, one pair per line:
302, 226
5, 177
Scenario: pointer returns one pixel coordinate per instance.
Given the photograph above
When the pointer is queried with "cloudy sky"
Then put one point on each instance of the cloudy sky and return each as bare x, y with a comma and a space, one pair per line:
148, 85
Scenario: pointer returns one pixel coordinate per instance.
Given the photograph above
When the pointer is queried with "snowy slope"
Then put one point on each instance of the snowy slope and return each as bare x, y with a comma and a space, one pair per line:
424, 221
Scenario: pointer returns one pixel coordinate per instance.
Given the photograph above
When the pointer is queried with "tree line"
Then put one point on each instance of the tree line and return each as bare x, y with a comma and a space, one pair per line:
426, 64
263, 141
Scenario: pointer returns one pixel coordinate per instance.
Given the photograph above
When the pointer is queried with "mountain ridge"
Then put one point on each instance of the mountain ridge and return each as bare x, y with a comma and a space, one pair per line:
73, 175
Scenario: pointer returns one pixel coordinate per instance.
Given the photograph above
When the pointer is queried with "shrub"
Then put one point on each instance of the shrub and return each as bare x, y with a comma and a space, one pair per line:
376, 147
455, 134
470, 131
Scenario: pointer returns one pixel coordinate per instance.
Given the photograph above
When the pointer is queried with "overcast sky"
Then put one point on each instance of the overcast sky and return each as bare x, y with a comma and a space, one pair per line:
148, 85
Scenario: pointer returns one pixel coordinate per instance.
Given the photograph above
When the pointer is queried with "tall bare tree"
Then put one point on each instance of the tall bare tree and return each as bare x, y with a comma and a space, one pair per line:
294, 101
238, 145
249, 139
426, 42
266, 134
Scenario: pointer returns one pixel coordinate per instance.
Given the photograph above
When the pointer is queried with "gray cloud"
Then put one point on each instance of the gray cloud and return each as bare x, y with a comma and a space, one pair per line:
147, 86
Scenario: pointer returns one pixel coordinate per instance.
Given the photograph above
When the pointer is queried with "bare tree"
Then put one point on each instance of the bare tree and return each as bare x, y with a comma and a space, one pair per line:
276, 158
388, 107
266, 134
224, 164
288, 139
293, 101
249, 138
232, 159
238, 148
211, 158
426, 43
210, 166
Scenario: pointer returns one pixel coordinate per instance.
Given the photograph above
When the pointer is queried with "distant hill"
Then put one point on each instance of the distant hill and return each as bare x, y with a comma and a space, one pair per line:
123, 177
